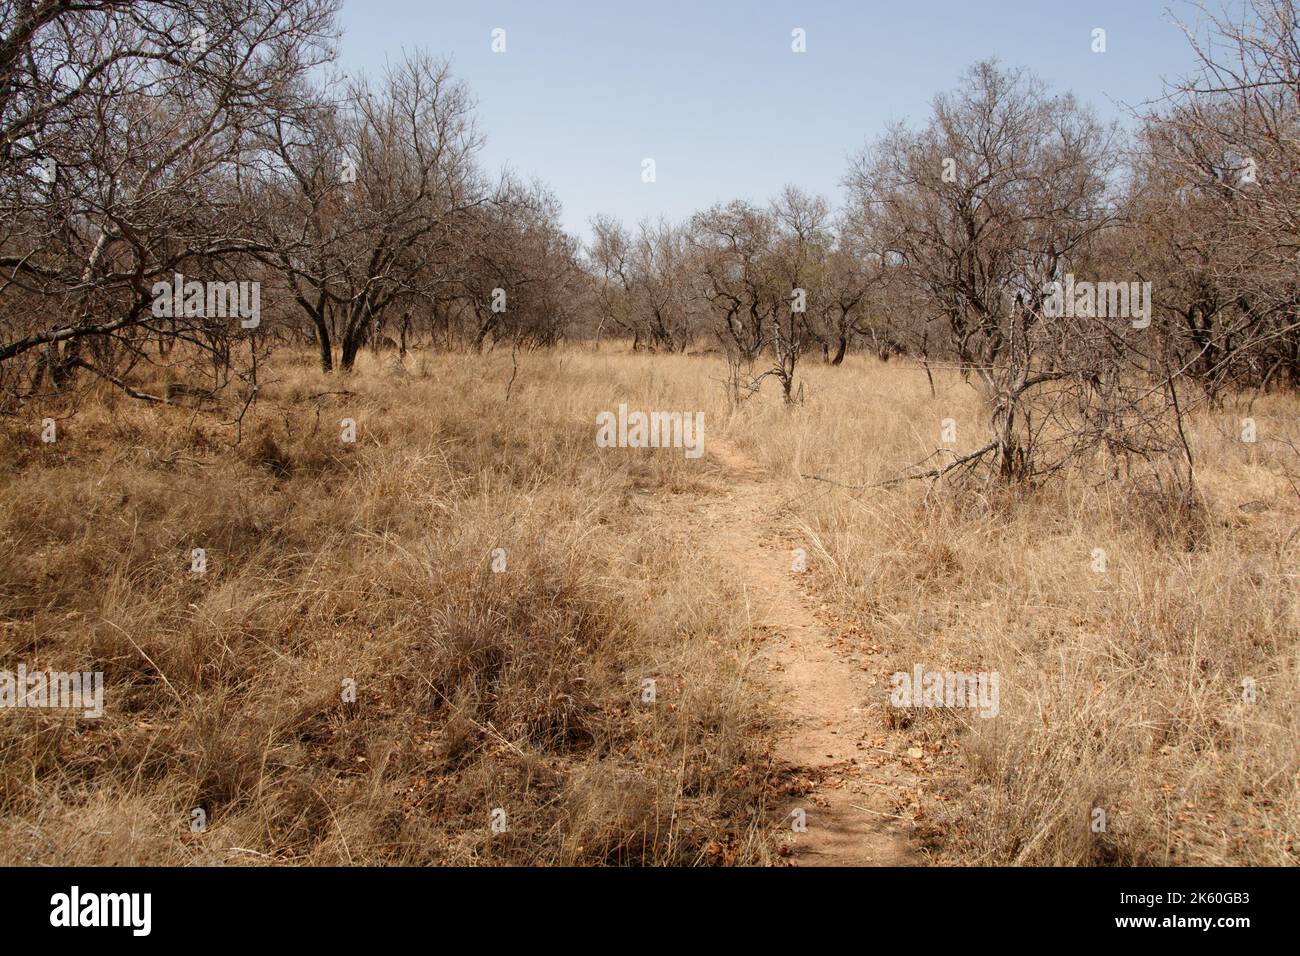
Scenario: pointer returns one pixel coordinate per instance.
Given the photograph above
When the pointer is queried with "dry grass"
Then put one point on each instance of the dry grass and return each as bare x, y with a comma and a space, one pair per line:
371, 561
1120, 690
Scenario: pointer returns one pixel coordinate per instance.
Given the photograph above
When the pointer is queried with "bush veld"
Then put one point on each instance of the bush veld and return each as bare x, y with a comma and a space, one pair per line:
521, 689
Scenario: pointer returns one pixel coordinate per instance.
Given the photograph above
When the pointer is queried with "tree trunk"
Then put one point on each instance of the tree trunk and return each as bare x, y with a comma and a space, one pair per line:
356, 328
351, 345
840, 349
323, 339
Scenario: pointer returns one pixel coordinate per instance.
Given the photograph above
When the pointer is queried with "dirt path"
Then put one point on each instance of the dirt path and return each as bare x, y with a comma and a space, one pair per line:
853, 788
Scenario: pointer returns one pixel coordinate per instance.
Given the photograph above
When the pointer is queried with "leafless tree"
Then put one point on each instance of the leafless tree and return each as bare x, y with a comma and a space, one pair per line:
1005, 190
1216, 199
646, 282
122, 131
374, 193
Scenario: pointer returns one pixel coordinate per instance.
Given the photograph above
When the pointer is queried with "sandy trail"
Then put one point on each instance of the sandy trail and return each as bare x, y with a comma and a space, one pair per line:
851, 810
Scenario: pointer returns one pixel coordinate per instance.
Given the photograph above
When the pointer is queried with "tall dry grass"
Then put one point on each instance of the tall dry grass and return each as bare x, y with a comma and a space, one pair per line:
1120, 691
372, 562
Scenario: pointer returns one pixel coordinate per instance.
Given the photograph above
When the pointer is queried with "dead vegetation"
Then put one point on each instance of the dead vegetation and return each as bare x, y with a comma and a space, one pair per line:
1121, 690
364, 590
369, 562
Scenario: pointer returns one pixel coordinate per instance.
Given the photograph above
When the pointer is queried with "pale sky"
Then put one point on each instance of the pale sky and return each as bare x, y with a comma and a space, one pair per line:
712, 91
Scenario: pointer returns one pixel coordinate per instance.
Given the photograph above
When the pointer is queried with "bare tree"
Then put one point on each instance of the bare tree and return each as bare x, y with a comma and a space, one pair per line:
522, 280
1002, 193
646, 281
373, 193
122, 130
1217, 200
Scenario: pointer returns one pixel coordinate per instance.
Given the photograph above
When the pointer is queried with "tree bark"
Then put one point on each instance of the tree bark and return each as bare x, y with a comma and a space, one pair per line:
323, 339
840, 349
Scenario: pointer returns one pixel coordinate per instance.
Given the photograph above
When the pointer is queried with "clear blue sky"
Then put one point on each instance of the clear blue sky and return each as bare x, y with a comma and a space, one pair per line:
712, 92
